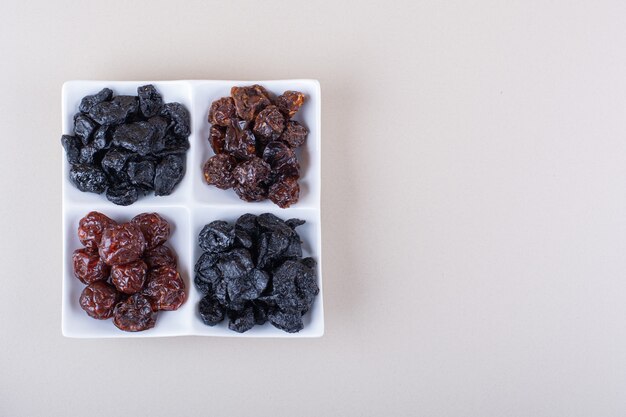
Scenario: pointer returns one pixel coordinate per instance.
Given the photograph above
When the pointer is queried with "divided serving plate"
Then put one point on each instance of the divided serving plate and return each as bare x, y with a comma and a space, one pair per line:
192, 205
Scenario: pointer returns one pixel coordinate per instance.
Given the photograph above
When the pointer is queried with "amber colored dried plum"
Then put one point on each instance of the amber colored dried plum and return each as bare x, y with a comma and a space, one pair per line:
239, 142
222, 111
269, 123
252, 173
98, 300
294, 134
121, 244
165, 289
84, 127
218, 171
89, 101
160, 256
150, 100
135, 314
129, 278
290, 102
155, 228
217, 139
88, 178
249, 100
88, 267
284, 192
91, 227
169, 172
211, 312
282, 159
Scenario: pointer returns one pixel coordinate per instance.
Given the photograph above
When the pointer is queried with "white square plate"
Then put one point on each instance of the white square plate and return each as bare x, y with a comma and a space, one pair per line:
192, 205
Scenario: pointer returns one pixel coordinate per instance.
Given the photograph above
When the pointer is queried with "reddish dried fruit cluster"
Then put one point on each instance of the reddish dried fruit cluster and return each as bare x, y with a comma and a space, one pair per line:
129, 272
254, 137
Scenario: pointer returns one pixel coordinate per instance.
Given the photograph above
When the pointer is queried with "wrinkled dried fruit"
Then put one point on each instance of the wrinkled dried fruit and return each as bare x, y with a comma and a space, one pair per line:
216, 237
72, 146
222, 111
155, 228
179, 116
91, 227
84, 128
168, 174
121, 244
285, 192
129, 278
89, 101
249, 100
217, 139
288, 322
294, 134
122, 194
210, 310
218, 171
269, 123
88, 267
160, 256
115, 111
281, 159
252, 173
290, 102
241, 321
135, 314
165, 289
150, 100
98, 300
240, 143
88, 178
141, 174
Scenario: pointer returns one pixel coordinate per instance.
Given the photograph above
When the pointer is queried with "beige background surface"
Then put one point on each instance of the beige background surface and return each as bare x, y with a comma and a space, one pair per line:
474, 196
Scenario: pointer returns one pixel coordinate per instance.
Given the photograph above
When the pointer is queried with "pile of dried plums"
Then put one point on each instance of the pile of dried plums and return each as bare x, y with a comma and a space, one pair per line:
254, 138
130, 274
253, 272
128, 145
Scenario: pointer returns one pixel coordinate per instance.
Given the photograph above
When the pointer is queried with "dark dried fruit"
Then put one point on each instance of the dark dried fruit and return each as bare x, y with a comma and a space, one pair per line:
216, 237
165, 289
252, 173
249, 100
294, 134
88, 178
243, 321
141, 174
239, 142
155, 228
222, 112
84, 128
269, 123
179, 116
169, 172
122, 194
115, 111
210, 310
251, 194
281, 159
91, 227
98, 300
160, 256
285, 192
217, 139
150, 100
72, 146
290, 102
121, 244
135, 314
101, 138
88, 155
218, 171
89, 101
114, 162
129, 278
88, 267
136, 137
288, 322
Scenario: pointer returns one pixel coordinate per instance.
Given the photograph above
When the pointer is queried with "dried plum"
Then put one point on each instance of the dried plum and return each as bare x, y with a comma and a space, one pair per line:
269, 123
88, 155
141, 174
217, 236
249, 100
165, 289
252, 173
288, 322
84, 128
294, 134
234, 265
217, 139
88, 267
91, 227
121, 244
281, 159
239, 142
129, 278
88, 178
206, 269
243, 321
150, 100
136, 137
290, 102
89, 101
98, 300
251, 193
210, 310
122, 194
72, 145
155, 228
284, 192
101, 138
169, 172
114, 112
222, 111
135, 314
160, 256
179, 116
218, 171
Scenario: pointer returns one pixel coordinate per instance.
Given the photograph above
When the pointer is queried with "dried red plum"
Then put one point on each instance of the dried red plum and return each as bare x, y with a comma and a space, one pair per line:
179, 116
88, 178
84, 127
122, 194
169, 172
89, 101
121, 244
222, 111
218, 169
294, 134
115, 111
281, 159
165, 289
160, 256
129, 278
155, 228
91, 227
72, 145
150, 100
239, 142
88, 267
285, 192
217, 139
249, 100
135, 314
269, 123
290, 102
210, 310
217, 236
98, 300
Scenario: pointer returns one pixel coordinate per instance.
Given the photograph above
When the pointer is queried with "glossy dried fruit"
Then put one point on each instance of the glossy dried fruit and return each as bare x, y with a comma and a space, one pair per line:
222, 112
155, 228
294, 134
269, 123
150, 100
251, 194
114, 112
141, 174
285, 192
160, 256
122, 194
121, 244
243, 321
135, 314
239, 142
88, 267
249, 100
88, 178
165, 289
217, 236
211, 311
129, 278
282, 159
252, 173
136, 137
98, 300
72, 146
217, 139
179, 116
288, 322
89, 101
84, 128
218, 171
91, 227
169, 172
290, 102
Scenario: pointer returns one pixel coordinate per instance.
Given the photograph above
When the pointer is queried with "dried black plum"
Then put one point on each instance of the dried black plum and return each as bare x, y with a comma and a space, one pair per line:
136, 137
173, 145
289, 322
88, 178
150, 100
242, 321
210, 310
179, 116
115, 111
114, 161
84, 128
169, 172
89, 101
248, 286
141, 174
217, 236
102, 138
260, 310
88, 155
72, 145
234, 265
122, 194
206, 268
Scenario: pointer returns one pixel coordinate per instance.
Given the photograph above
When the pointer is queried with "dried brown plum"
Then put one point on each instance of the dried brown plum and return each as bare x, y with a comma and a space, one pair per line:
217, 139
217, 236
269, 123
129, 278
290, 102
88, 267
89, 101
251, 194
249, 100
165, 289
222, 111
91, 227
155, 228
210, 310
122, 194
218, 171
179, 116
150, 100
84, 128
160, 256
98, 300
88, 178
72, 145
252, 173
135, 314
285, 192
239, 142
294, 134
121, 244
282, 159
169, 172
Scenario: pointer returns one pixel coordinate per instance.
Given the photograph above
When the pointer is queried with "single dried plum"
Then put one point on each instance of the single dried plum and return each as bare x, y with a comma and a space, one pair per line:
281, 159
290, 102
294, 134
121, 244
115, 111
101, 138
88, 267
160, 256
269, 123
84, 128
98, 300
217, 236
155, 228
218, 171
114, 161
136, 137
72, 145
289, 296
234, 265
206, 269
211, 312
165, 288
141, 174
88, 155
222, 111
260, 310
242, 321
169, 172
135, 314
173, 145
288, 322
88, 178
91, 227
240, 143
285, 192
202, 286
129, 278
179, 116
217, 139
249, 100
247, 286
252, 173
251, 193
89, 101
150, 100
122, 194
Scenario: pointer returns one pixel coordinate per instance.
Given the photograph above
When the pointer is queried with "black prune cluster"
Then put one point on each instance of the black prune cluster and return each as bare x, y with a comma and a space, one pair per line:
254, 139
253, 272
127, 146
